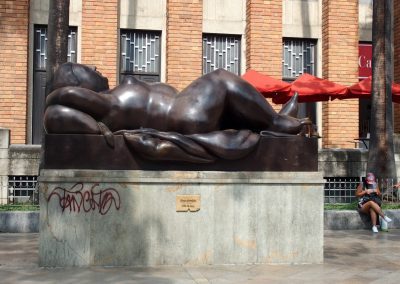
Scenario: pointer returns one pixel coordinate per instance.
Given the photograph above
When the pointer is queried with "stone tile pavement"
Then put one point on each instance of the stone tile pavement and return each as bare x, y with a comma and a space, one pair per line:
351, 256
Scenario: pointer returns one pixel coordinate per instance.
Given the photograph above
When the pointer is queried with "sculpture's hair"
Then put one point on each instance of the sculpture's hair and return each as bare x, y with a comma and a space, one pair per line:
77, 75
64, 76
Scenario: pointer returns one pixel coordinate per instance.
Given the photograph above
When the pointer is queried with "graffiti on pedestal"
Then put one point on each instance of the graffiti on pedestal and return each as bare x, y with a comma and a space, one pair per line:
79, 198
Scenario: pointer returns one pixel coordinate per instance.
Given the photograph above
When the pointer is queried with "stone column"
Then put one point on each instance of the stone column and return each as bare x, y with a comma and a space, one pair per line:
264, 37
14, 15
184, 42
264, 32
340, 65
4, 144
100, 36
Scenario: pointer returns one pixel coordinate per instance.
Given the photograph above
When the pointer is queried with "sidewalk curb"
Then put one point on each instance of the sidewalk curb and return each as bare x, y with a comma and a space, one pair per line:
28, 221
19, 222
352, 220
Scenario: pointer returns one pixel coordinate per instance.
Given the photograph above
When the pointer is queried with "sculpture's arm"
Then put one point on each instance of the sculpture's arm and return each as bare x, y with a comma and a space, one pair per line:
163, 146
87, 101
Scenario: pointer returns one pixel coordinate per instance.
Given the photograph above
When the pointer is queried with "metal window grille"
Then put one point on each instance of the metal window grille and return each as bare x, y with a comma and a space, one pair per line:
221, 51
298, 58
342, 189
22, 189
140, 52
72, 44
41, 46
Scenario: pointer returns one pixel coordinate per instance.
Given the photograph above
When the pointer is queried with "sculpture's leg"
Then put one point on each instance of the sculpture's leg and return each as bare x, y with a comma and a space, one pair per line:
220, 100
254, 111
291, 107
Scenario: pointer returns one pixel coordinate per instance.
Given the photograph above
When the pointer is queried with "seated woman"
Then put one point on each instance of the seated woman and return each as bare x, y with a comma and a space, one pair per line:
370, 200
82, 103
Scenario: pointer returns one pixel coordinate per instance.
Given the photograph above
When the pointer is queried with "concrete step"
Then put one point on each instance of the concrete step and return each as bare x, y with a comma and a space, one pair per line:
352, 220
19, 222
28, 222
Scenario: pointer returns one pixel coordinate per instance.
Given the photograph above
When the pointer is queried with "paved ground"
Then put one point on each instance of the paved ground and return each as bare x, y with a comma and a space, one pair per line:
350, 257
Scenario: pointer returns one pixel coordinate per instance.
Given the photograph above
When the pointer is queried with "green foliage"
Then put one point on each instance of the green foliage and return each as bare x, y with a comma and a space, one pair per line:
391, 206
341, 206
328, 206
353, 206
19, 207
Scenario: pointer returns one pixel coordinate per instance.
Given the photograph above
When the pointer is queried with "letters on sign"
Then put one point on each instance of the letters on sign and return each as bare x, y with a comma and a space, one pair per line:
186, 203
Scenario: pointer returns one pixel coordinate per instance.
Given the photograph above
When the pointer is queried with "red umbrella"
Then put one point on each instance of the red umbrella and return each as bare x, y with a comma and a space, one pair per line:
363, 90
266, 85
311, 89
360, 90
396, 93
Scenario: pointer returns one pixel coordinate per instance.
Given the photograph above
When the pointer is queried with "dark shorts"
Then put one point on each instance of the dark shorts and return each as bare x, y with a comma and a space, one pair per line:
365, 199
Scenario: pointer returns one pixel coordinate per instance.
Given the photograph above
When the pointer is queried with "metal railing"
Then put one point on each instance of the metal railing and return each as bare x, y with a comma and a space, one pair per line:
20, 190
337, 190
342, 190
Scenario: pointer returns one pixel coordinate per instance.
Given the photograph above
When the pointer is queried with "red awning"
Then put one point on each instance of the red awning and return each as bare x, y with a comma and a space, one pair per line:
363, 90
360, 90
266, 85
311, 89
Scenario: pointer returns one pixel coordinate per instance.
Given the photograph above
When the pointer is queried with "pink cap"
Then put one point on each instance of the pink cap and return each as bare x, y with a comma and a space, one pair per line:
370, 178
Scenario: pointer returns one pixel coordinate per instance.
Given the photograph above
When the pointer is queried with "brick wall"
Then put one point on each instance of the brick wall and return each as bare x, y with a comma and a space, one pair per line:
264, 37
100, 36
396, 77
264, 49
14, 17
184, 42
340, 65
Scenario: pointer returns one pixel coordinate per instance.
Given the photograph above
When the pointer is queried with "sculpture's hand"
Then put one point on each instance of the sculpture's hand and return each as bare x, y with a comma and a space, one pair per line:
108, 135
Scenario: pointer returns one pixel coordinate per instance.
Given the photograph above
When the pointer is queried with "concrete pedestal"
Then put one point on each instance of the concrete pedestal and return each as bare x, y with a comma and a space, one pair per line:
121, 218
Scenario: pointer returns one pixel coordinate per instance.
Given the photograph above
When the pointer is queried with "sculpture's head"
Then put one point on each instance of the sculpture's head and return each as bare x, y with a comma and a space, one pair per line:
79, 75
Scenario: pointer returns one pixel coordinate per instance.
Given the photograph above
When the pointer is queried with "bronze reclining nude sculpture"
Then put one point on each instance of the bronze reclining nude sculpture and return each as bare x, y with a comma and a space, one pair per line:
218, 116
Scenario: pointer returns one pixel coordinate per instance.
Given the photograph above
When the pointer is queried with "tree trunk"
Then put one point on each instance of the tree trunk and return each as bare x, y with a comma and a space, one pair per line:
381, 151
57, 48
57, 38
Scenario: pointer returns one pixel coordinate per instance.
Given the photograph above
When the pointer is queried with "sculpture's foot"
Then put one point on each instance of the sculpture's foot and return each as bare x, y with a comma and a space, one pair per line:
268, 133
108, 135
291, 107
290, 125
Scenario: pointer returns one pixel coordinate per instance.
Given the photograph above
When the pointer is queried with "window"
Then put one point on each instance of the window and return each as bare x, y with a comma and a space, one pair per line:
299, 58
40, 44
221, 51
39, 75
364, 71
141, 54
